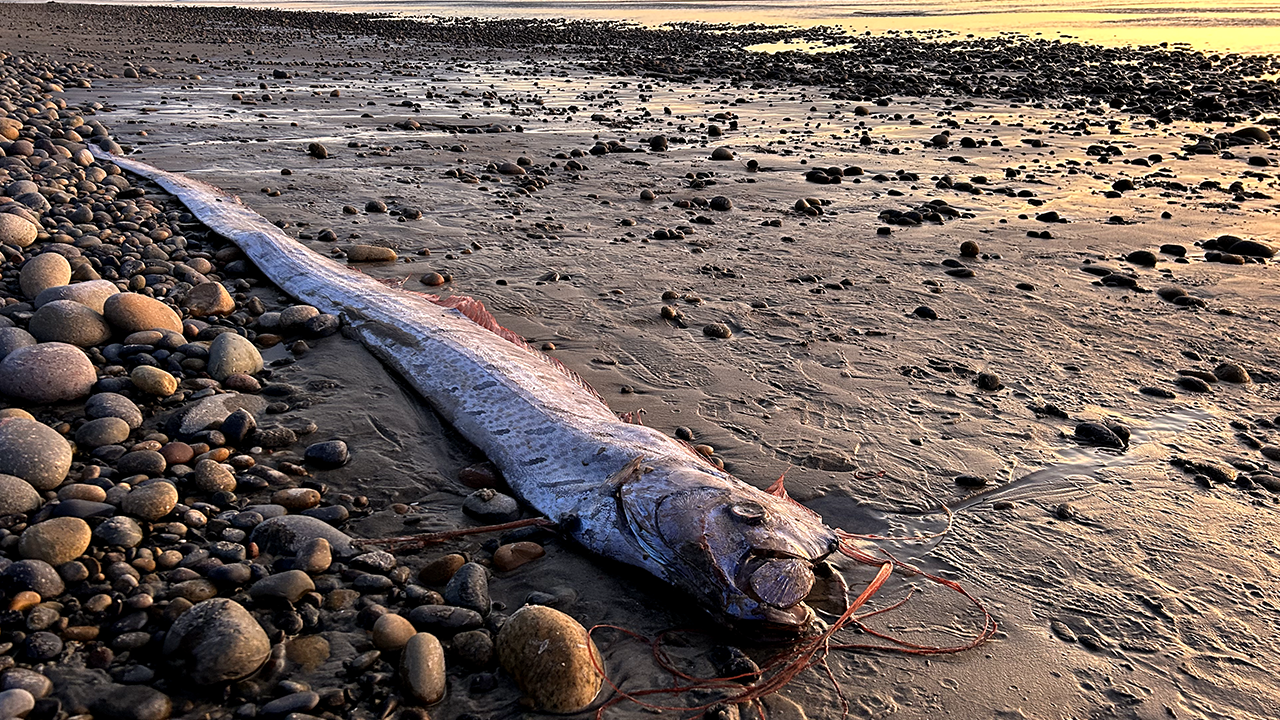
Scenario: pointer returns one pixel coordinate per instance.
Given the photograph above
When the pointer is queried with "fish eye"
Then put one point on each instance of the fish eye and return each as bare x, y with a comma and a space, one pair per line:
748, 512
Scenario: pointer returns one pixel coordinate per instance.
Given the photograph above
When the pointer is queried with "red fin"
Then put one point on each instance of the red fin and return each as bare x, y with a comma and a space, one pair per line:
475, 311
779, 489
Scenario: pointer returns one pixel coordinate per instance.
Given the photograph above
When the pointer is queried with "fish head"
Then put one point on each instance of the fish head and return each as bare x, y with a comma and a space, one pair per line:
743, 552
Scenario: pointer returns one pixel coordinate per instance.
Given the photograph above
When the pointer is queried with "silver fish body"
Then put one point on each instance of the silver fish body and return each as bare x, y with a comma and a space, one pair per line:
624, 491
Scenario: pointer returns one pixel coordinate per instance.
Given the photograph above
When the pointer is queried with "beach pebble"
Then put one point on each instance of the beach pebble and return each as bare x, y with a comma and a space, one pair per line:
550, 657
17, 231
17, 496
33, 452
438, 571
207, 299
215, 641
474, 648
211, 477
296, 499
969, 249
288, 586
130, 702
469, 588
69, 322
16, 702
317, 151
103, 431
722, 153
113, 405
332, 453
55, 541
314, 557
391, 632
717, 330
490, 506
130, 312
151, 501
46, 373
1232, 373
39, 685
231, 354
142, 462
444, 620
370, 253
513, 555
92, 294
293, 319
1098, 434
12, 338
422, 668
44, 271
219, 411
119, 531
35, 576
288, 534
153, 381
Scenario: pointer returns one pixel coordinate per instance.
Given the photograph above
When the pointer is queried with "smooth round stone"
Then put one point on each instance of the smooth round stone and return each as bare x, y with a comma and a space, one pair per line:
211, 477
288, 586
314, 557
474, 648
422, 668
295, 317
469, 588
513, 555
69, 322
722, 153
391, 632
331, 453
150, 502
370, 253
209, 298
550, 656
42, 272
142, 462
55, 541
34, 452
36, 576
17, 496
297, 498
288, 534
17, 231
438, 571
16, 703
217, 640
82, 491
12, 338
444, 619
114, 405
103, 431
1232, 373
92, 294
119, 531
154, 381
131, 312
131, 702
232, 354
42, 646
38, 684
47, 373
490, 506
299, 702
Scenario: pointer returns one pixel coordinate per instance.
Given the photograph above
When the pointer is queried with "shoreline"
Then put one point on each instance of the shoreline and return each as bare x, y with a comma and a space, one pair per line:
1021, 305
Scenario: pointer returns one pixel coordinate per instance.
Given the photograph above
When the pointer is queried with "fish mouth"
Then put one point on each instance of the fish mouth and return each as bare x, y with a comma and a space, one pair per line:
778, 583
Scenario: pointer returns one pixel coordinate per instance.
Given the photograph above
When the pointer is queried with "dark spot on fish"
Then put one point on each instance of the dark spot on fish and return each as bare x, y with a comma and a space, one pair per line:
502, 431
535, 461
486, 385
571, 524
547, 430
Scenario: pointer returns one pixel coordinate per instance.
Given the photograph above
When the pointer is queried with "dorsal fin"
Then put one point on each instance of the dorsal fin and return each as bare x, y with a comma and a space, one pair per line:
475, 311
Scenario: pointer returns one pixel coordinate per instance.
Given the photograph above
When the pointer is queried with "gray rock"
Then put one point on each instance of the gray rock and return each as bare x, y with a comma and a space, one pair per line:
217, 640
151, 501
314, 557
211, 412
288, 586
46, 373
33, 682
114, 405
142, 462
289, 534
17, 496
16, 703
34, 452
12, 338
69, 322
298, 702
293, 319
490, 506
238, 426
17, 231
422, 668
130, 702
91, 293
230, 354
131, 312
444, 620
42, 272
119, 531
37, 576
56, 541
469, 588
331, 453
211, 476
102, 431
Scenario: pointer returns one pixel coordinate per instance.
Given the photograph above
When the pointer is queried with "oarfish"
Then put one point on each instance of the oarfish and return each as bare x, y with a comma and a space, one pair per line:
620, 489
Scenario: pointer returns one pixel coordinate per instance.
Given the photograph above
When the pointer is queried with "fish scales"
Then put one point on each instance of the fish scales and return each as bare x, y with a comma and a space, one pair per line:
622, 490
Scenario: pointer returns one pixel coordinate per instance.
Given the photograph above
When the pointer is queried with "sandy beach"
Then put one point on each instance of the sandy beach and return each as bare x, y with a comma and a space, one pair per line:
1030, 282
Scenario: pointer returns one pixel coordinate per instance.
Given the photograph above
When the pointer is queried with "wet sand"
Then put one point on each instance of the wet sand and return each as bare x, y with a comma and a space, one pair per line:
1123, 587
